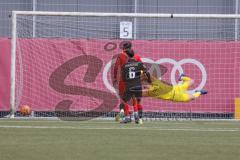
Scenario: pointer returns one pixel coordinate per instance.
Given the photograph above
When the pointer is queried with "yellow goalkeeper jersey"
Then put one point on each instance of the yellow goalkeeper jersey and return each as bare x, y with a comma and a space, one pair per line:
162, 90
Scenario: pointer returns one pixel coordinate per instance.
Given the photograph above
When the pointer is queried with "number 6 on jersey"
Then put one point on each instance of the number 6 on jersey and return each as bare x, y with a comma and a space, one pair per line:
132, 73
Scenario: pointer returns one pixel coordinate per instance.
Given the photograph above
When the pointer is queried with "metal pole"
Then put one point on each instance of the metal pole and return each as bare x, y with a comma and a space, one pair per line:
34, 18
135, 19
13, 64
236, 21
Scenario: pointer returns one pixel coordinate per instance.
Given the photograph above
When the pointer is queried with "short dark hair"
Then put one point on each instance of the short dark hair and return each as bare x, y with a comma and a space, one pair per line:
127, 45
130, 53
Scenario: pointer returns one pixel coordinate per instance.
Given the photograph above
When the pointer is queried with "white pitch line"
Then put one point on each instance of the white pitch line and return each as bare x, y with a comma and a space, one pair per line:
121, 128
57, 121
113, 122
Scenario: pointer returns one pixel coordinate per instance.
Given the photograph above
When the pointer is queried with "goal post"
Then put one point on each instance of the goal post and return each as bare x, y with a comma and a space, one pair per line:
13, 67
51, 71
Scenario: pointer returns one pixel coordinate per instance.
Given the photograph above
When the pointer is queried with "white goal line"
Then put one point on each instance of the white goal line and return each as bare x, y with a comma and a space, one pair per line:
123, 128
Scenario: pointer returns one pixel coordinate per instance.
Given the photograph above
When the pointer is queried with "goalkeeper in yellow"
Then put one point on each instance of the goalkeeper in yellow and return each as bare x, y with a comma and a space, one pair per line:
162, 90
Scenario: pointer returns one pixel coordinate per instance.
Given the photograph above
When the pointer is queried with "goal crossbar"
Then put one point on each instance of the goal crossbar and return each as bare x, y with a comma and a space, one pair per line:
142, 15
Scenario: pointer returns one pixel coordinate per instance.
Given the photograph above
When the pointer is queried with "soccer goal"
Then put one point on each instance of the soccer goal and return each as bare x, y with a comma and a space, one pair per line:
61, 62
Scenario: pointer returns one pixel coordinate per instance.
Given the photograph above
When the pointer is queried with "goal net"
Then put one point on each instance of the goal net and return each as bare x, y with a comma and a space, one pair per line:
62, 62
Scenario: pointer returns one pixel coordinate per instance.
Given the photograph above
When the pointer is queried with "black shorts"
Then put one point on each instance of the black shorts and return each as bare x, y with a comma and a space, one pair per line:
132, 92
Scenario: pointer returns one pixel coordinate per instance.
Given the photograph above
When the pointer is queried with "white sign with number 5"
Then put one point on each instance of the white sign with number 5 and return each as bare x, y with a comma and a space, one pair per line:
126, 30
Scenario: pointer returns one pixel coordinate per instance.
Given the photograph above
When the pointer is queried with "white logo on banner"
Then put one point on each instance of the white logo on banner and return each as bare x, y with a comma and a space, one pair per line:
177, 66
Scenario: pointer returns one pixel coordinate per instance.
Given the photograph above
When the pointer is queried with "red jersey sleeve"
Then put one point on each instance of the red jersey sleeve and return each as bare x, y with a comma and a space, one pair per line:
116, 66
120, 61
137, 58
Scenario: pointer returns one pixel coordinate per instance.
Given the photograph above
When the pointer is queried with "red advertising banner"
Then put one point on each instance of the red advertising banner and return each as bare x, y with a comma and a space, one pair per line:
4, 73
77, 73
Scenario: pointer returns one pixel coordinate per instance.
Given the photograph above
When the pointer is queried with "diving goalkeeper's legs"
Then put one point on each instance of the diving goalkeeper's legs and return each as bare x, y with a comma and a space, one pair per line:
181, 90
176, 93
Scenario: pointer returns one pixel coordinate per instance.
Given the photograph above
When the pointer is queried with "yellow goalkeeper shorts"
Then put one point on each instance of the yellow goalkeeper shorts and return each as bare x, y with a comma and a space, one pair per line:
160, 90
180, 92
165, 91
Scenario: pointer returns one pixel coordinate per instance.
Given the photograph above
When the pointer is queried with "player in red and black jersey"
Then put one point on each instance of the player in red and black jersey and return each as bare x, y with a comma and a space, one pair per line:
121, 60
131, 74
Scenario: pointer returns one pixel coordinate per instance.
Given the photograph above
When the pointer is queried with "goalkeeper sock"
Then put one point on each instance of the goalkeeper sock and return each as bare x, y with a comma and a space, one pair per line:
201, 92
197, 94
184, 78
